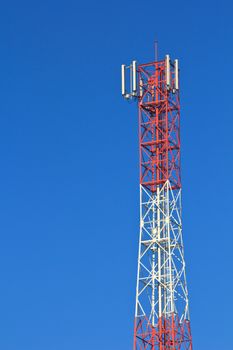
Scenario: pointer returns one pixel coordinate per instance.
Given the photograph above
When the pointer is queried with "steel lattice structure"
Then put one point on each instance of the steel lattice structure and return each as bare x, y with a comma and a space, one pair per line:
162, 306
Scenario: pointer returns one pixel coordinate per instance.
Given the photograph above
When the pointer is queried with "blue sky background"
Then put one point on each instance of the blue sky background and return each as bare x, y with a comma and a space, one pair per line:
69, 200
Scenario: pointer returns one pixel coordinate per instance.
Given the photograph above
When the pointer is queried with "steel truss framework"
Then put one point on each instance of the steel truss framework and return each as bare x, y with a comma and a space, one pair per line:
162, 307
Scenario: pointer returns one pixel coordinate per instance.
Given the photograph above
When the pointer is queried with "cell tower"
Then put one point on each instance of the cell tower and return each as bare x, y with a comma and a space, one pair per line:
162, 306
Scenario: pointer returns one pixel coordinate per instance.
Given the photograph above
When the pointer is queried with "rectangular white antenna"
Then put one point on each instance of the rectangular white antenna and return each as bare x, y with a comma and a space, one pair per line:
123, 92
140, 88
134, 68
168, 70
176, 75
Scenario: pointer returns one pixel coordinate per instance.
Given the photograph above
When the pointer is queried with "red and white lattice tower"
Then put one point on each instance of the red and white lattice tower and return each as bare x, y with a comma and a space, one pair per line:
162, 305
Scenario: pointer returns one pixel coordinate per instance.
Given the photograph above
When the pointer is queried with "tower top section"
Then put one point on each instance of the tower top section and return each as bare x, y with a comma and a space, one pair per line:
132, 87
155, 86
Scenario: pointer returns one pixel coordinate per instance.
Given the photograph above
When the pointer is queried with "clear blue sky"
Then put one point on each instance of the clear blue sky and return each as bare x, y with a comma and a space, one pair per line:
69, 200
